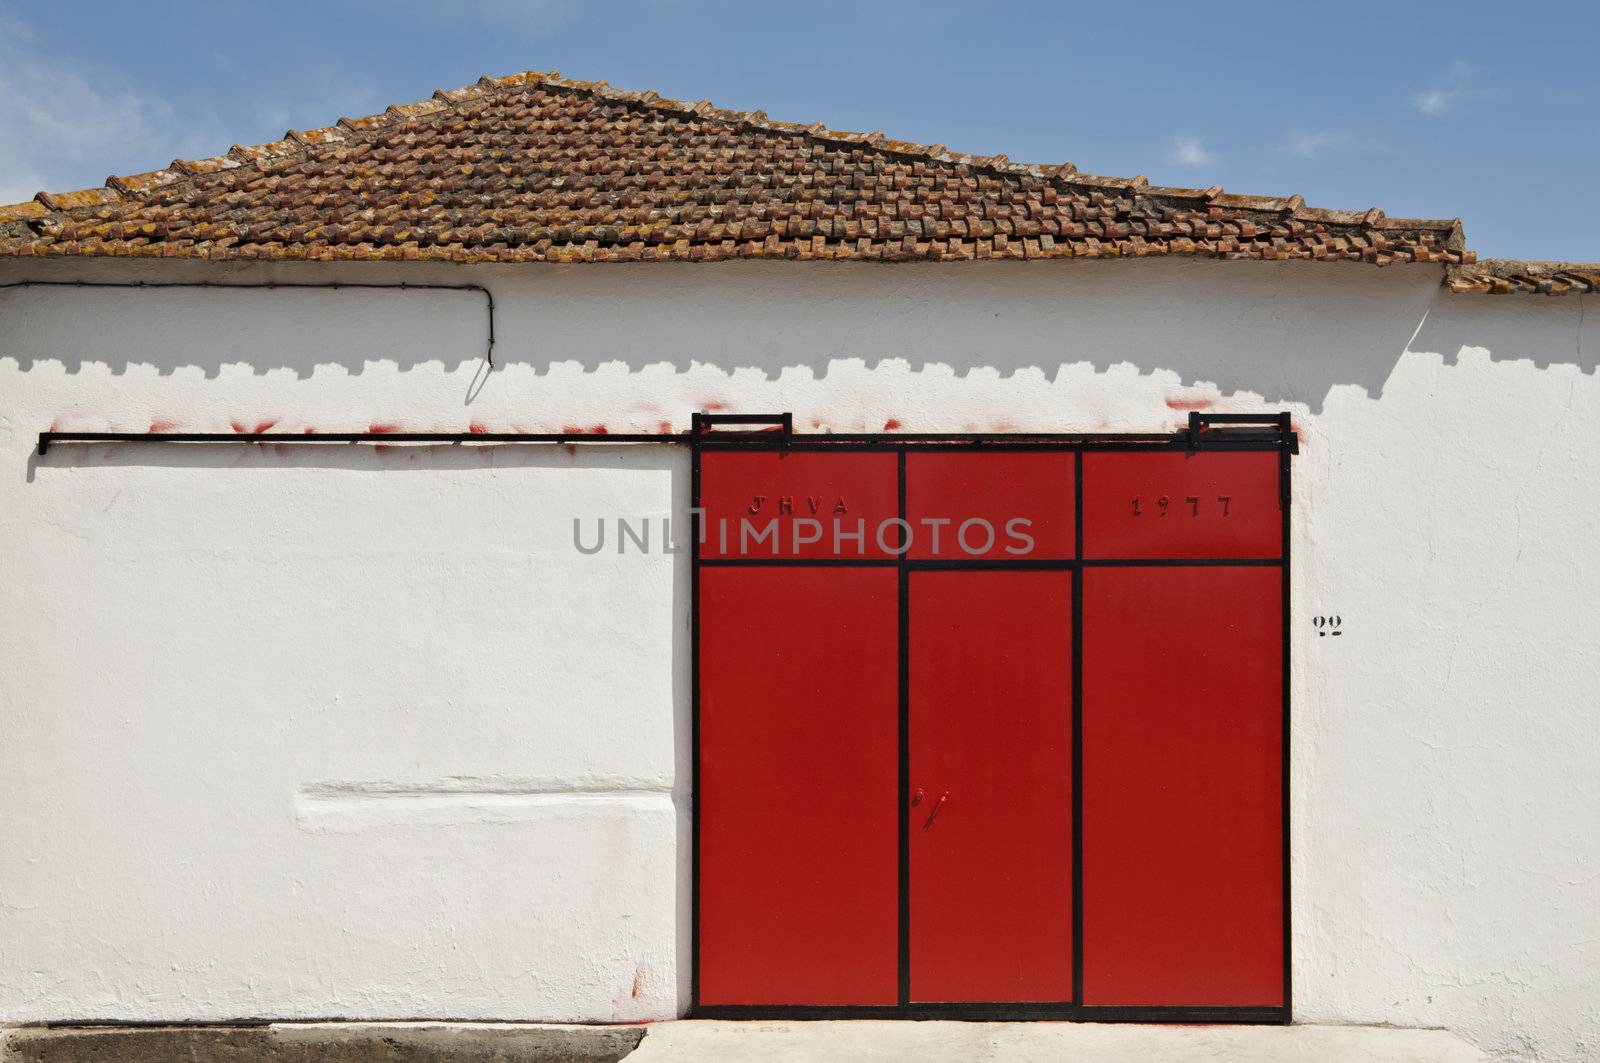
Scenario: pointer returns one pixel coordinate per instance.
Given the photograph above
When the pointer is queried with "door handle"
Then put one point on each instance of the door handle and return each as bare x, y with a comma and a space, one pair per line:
933, 814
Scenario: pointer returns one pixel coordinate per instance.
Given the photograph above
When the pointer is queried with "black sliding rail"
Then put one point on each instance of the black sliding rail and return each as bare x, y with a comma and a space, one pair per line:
1245, 431
49, 439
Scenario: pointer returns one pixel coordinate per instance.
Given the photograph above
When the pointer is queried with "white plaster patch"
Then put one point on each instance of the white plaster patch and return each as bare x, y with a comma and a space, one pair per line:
362, 806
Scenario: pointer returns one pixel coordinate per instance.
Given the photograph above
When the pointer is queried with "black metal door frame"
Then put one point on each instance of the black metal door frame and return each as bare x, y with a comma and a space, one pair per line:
774, 432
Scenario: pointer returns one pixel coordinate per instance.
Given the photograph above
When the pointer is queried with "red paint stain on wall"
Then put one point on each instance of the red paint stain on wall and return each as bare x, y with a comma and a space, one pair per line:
478, 428
1189, 402
383, 428
265, 425
713, 407
162, 426
578, 430
892, 425
239, 426
664, 428
637, 975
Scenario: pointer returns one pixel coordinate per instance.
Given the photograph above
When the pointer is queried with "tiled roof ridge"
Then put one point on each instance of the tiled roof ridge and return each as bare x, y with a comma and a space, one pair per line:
1505, 276
302, 142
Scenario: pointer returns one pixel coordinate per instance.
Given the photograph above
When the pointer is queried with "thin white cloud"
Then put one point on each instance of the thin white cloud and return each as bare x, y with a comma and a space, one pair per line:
1435, 102
502, 14
1189, 151
64, 128
67, 126
1442, 96
1313, 145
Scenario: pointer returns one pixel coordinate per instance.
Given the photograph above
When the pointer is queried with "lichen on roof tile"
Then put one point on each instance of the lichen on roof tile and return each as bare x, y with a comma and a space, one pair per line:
23, 211
322, 135
83, 198
418, 109
1496, 276
144, 182
273, 149
209, 165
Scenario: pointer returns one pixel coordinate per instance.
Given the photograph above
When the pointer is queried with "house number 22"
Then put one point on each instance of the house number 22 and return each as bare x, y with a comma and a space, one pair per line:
1193, 503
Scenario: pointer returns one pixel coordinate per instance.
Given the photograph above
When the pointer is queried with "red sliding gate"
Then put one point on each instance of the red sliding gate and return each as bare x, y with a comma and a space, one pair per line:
993, 726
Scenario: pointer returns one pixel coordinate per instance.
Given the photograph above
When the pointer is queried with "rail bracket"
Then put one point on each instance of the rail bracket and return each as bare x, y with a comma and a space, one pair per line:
705, 424
1199, 422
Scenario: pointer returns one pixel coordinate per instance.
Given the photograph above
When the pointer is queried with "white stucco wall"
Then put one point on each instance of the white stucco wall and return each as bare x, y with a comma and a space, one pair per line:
356, 732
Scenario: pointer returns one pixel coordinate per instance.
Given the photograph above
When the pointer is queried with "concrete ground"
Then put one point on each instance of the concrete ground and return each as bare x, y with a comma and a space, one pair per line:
322, 1042
735, 1042
1041, 1042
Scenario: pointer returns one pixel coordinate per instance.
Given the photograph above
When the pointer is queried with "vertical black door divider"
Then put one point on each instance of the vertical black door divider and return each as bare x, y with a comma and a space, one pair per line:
904, 738
1077, 733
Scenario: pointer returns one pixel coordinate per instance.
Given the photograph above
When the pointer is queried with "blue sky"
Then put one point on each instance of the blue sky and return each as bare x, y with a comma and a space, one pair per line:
1487, 112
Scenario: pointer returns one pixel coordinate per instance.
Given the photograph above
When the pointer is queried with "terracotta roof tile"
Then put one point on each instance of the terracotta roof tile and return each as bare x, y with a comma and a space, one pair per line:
133, 184
533, 167
87, 197
273, 149
211, 165
23, 211
1499, 276
324, 135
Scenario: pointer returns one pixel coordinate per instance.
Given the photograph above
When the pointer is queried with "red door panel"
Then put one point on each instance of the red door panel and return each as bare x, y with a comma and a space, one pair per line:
995, 489
1177, 504
990, 742
1182, 786
766, 504
799, 785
